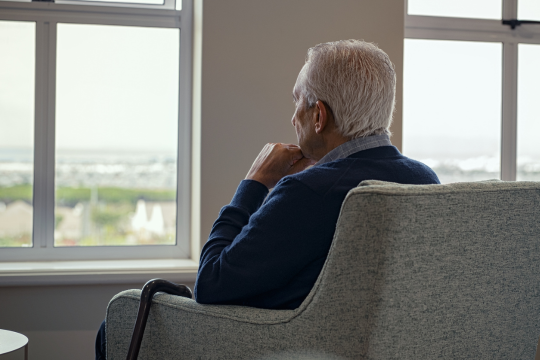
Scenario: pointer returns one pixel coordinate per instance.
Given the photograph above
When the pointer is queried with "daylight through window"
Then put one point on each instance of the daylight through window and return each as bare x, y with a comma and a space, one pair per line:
470, 108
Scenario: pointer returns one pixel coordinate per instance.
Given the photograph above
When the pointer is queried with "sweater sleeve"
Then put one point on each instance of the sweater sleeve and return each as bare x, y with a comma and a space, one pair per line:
254, 249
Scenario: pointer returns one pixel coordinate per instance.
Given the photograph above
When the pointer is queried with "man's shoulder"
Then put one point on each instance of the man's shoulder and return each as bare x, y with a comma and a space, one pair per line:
421, 173
385, 164
324, 175
388, 163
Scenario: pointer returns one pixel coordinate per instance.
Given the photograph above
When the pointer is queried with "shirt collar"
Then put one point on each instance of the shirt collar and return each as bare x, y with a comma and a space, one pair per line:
353, 146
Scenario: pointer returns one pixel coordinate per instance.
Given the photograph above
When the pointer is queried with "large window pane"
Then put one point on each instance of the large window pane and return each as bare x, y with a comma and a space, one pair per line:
528, 148
482, 9
452, 107
17, 63
116, 135
529, 10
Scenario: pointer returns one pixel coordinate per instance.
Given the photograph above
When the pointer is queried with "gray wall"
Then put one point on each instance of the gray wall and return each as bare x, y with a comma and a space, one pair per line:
252, 52
60, 321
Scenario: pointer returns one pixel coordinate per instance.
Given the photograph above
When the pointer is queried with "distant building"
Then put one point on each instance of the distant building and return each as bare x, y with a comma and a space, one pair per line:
15, 218
161, 221
74, 224
70, 225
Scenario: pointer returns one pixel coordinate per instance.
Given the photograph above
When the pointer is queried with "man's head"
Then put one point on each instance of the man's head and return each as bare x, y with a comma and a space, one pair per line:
353, 82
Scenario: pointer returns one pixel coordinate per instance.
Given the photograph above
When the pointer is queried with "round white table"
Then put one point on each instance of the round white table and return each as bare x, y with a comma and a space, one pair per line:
11, 341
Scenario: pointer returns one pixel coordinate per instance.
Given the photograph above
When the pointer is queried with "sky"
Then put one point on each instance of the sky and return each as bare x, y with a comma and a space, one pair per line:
452, 99
483, 9
17, 49
117, 87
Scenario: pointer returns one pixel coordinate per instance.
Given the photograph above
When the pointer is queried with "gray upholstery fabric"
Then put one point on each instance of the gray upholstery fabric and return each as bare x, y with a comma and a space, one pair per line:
414, 272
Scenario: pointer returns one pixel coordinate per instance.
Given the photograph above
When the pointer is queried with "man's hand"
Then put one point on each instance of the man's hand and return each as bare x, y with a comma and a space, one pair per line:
276, 161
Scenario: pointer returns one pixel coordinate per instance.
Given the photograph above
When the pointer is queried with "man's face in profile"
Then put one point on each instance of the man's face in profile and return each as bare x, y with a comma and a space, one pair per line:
302, 123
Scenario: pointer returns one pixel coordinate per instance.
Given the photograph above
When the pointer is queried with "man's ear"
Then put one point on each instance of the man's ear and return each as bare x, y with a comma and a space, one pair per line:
321, 121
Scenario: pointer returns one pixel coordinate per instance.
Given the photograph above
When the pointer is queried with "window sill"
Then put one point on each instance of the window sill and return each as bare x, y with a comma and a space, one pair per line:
96, 272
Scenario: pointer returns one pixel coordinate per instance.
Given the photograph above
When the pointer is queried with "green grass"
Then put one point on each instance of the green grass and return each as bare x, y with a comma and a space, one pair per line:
111, 238
21, 240
17, 192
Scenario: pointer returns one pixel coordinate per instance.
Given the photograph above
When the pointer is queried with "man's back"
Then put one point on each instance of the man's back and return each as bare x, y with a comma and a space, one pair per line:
268, 252
270, 256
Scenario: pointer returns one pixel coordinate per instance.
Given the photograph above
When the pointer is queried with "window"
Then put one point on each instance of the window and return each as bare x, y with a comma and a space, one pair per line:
17, 44
95, 129
470, 108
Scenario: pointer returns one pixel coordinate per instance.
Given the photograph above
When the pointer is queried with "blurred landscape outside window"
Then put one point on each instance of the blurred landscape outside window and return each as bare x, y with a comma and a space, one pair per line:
17, 66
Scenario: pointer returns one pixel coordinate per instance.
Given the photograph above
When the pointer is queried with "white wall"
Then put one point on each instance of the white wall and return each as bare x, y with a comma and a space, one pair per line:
252, 52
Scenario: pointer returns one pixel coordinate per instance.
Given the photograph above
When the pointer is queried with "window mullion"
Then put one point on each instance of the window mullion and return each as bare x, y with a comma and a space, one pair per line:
509, 100
40, 140
509, 10
183, 201
43, 222
49, 217
509, 112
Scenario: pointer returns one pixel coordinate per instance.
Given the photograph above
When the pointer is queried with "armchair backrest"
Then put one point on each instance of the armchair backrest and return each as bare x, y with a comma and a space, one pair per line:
428, 271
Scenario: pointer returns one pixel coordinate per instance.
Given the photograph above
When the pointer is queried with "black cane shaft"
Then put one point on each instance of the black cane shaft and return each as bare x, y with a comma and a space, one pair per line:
148, 291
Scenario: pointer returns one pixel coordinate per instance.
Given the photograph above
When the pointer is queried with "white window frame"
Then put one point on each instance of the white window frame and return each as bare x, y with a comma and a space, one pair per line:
46, 17
465, 29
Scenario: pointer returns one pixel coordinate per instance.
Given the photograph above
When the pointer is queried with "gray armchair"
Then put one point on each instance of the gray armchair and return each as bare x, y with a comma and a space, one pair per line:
414, 272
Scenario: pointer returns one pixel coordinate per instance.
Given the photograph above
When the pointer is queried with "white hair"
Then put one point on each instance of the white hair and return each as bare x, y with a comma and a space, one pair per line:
356, 80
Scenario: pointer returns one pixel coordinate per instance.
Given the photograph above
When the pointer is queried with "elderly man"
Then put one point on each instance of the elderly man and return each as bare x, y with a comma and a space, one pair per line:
266, 250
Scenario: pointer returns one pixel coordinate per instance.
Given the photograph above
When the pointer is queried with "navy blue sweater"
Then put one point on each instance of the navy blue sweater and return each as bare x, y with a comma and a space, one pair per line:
269, 253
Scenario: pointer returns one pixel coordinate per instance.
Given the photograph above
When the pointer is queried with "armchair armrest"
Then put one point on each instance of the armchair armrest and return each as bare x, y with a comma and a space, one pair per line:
148, 291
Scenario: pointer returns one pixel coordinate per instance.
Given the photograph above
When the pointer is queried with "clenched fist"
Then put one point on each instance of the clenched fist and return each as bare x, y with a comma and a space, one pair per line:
276, 161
